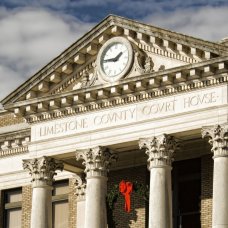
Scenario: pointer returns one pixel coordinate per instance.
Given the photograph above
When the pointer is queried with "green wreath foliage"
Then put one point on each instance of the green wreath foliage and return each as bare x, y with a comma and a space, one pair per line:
113, 195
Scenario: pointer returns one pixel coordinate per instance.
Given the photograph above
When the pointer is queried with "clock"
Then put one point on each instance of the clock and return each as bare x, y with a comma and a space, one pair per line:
115, 59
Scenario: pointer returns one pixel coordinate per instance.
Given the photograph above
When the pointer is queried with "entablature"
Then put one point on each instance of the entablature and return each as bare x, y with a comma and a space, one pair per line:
13, 143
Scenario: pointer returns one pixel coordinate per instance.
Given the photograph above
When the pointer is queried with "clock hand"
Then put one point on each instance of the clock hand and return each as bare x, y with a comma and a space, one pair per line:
113, 59
109, 60
118, 56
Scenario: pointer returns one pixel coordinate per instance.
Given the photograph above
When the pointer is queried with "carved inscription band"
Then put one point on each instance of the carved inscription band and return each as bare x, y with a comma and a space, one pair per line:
129, 114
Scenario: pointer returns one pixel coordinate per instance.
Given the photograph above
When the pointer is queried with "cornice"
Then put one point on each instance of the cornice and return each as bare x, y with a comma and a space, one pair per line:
13, 143
144, 87
167, 34
67, 57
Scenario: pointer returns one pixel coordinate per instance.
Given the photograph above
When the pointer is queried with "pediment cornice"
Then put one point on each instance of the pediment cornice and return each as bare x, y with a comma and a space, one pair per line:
59, 71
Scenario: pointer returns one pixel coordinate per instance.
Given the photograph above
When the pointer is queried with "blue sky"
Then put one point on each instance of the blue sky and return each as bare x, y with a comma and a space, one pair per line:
33, 32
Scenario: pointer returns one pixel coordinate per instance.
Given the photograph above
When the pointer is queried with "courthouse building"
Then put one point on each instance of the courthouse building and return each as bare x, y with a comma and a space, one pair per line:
126, 102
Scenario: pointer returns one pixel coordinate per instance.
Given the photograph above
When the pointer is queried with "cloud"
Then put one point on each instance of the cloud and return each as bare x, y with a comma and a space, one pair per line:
30, 38
208, 23
92, 10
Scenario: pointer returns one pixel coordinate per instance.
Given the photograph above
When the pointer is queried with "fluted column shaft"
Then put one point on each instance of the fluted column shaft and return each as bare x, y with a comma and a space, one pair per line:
160, 152
218, 138
42, 171
96, 161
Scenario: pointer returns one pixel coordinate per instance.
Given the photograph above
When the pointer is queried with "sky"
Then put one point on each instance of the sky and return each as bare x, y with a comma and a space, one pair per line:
33, 32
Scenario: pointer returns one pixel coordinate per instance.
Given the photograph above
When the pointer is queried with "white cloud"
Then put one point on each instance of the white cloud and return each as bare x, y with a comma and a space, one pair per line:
7, 79
209, 23
29, 39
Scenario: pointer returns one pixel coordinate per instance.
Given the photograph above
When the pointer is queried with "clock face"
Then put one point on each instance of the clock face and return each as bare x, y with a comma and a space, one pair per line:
115, 59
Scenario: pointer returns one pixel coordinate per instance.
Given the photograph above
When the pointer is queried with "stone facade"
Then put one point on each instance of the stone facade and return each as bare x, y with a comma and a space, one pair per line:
89, 112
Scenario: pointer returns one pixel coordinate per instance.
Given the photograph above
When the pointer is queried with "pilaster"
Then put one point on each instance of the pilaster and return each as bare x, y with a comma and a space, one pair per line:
80, 193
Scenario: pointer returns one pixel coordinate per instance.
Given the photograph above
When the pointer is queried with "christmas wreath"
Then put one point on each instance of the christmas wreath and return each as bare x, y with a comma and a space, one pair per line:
125, 188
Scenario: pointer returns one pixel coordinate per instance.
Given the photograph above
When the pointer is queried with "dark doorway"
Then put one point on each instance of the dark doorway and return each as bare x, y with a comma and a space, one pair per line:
186, 186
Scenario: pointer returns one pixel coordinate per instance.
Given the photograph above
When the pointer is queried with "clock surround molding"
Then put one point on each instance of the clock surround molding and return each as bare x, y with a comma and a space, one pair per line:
102, 75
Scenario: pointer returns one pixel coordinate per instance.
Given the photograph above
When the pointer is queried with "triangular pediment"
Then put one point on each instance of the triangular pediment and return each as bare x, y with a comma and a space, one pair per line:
155, 50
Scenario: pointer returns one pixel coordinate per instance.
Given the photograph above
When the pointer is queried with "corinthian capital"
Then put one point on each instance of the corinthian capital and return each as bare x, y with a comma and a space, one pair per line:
42, 170
218, 138
80, 186
160, 150
96, 160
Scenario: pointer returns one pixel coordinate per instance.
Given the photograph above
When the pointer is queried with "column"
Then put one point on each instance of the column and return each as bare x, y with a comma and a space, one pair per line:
96, 161
42, 171
80, 188
218, 138
160, 150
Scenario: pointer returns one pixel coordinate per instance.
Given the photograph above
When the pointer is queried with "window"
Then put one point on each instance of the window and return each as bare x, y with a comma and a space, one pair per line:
60, 204
12, 208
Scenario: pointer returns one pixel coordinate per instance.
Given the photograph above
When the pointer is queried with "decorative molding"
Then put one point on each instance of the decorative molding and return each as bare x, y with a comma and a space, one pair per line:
89, 78
155, 84
218, 139
160, 150
115, 101
165, 53
96, 160
175, 37
42, 170
90, 67
14, 143
143, 63
80, 186
13, 151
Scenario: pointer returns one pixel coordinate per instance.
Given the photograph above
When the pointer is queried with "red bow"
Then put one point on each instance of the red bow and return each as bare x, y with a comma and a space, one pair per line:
126, 189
